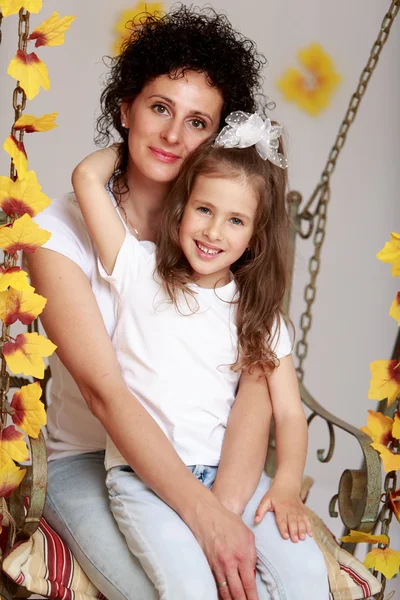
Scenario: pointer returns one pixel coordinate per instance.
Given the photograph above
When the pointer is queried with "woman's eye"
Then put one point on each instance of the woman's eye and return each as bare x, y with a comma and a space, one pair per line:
160, 109
236, 221
198, 124
204, 210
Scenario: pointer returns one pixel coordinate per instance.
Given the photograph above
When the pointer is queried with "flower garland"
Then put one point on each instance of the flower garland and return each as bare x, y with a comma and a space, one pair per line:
385, 434
21, 199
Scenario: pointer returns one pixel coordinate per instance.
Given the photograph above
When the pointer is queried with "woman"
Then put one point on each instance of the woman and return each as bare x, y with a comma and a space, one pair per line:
171, 88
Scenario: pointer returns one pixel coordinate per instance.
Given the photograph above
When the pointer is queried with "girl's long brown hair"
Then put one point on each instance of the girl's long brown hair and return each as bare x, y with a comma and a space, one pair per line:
261, 272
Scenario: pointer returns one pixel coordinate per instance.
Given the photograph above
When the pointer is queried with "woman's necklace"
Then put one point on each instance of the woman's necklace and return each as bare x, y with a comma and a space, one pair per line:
129, 223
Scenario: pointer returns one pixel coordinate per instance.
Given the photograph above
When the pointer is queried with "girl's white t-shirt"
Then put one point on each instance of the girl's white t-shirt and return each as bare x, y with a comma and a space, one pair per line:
72, 428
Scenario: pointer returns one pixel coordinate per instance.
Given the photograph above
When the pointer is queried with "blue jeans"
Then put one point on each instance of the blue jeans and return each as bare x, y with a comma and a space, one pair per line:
77, 507
174, 561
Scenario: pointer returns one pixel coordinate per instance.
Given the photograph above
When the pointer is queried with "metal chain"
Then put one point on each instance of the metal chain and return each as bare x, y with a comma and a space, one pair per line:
19, 103
316, 208
386, 513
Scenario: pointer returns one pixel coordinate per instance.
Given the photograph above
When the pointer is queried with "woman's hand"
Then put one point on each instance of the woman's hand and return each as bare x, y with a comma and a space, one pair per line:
290, 512
230, 550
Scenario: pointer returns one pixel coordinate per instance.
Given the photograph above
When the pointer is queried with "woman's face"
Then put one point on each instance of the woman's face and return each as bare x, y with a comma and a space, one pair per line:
167, 121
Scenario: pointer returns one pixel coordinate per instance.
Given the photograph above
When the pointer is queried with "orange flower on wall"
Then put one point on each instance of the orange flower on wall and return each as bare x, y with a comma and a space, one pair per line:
134, 16
312, 87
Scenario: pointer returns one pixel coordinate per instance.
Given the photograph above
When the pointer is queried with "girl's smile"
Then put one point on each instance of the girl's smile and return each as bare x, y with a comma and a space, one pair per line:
217, 226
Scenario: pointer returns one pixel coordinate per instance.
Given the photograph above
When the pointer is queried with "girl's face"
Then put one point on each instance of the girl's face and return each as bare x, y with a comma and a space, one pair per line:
217, 226
167, 121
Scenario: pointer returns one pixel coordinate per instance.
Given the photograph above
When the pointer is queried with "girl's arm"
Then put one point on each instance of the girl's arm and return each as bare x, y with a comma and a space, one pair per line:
291, 436
73, 321
245, 443
106, 229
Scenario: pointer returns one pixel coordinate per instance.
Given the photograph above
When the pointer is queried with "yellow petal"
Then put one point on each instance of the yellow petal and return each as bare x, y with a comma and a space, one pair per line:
14, 277
29, 412
384, 560
22, 196
10, 478
379, 427
312, 88
385, 382
396, 427
359, 536
17, 152
24, 235
24, 306
25, 354
390, 253
31, 124
395, 309
31, 73
11, 7
12, 446
391, 461
133, 16
51, 31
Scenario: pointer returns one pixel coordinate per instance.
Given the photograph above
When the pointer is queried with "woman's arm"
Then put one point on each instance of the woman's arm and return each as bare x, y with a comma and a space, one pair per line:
102, 221
73, 321
245, 443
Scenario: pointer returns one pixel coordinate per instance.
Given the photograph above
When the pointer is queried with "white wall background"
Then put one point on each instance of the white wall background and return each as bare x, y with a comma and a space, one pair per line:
351, 326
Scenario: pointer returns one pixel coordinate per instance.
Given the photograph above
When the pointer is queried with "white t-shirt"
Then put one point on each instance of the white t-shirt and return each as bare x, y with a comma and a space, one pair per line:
177, 363
72, 428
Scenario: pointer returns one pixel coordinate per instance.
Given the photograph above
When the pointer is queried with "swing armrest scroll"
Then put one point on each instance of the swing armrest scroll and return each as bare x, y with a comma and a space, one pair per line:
359, 490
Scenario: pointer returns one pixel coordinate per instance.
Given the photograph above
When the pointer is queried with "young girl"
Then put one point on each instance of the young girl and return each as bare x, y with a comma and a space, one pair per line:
201, 344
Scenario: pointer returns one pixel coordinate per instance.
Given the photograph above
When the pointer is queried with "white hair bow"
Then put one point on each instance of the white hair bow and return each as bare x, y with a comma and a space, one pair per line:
244, 130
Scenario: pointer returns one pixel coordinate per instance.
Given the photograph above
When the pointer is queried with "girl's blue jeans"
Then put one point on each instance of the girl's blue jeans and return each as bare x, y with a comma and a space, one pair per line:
78, 507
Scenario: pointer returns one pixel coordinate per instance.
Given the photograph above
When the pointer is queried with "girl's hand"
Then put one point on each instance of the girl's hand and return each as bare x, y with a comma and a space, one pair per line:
229, 547
98, 166
290, 512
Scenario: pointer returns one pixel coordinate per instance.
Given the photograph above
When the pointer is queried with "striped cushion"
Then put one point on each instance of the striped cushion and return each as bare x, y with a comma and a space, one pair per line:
45, 566
349, 579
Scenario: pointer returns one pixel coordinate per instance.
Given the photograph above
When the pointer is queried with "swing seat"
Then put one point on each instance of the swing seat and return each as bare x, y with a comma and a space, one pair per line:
39, 562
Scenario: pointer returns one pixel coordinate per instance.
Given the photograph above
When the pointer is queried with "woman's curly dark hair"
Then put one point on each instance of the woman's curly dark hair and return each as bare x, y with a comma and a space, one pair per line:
186, 38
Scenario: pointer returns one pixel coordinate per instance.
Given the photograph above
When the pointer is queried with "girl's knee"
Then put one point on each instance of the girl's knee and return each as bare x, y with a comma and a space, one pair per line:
308, 567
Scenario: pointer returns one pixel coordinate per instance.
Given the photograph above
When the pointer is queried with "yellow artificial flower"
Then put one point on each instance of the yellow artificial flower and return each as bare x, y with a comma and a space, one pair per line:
391, 461
51, 31
396, 427
17, 152
24, 234
31, 124
133, 15
312, 88
10, 478
390, 253
12, 446
395, 309
384, 560
25, 354
20, 305
379, 427
11, 7
14, 277
31, 73
22, 196
385, 382
28, 412
361, 537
